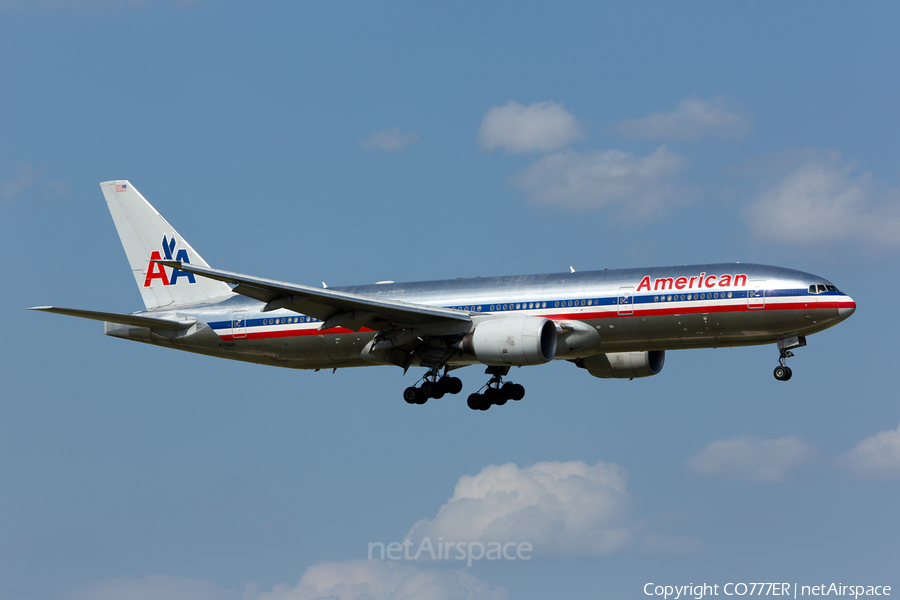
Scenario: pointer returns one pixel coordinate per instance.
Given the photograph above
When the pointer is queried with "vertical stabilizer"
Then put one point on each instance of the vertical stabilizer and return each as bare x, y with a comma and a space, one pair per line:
147, 236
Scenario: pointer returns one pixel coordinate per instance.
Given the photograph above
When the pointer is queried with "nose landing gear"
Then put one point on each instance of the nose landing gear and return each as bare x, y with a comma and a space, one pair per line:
785, 343
782, 371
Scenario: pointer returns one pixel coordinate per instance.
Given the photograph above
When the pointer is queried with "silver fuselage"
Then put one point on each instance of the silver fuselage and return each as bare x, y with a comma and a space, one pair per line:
661, 308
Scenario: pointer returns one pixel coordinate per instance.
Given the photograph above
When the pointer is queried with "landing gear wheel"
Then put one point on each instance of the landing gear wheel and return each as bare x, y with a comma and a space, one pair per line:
429, 389
454, 385
492, 396
517, 392
412, 395
440, 388
782, 373
478, 402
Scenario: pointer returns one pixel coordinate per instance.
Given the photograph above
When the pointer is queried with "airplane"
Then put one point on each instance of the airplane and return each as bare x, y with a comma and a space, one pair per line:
611, 323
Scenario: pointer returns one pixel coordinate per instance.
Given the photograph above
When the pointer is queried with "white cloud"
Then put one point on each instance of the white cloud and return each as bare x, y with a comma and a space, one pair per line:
641, 188
23, 179
543, 126
31, 184
347, 580
377, 580
751, 459
820, 201
692, 118
390, 140
876, 457
560, 508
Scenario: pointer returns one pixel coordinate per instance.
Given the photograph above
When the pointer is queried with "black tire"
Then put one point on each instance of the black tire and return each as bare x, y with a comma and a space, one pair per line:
491, 395
411, 395
781, 373
429, 389
517, 392
454, 385
787, 373
474, 401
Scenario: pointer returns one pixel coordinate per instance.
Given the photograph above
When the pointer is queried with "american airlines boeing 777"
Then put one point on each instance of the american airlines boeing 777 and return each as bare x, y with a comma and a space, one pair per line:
612, 323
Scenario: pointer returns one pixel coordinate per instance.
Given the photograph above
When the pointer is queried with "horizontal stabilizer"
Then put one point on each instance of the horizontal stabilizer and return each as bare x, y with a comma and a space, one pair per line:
134, 320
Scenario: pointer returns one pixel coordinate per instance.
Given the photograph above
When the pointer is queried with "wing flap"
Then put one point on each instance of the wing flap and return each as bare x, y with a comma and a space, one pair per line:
134, 320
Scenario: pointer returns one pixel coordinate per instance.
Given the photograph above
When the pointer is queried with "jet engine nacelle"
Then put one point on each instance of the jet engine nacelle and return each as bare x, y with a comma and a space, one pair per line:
516, 341
624, 365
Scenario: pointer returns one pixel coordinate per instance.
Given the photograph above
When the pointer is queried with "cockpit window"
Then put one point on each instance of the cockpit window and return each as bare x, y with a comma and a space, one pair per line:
819, 288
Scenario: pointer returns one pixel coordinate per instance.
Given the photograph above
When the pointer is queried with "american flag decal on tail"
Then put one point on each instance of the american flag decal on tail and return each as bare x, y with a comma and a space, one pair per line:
121, 188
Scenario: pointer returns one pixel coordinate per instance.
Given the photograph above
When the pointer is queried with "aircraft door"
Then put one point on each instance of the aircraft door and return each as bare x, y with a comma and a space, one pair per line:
756, 295
626, 301
239, 324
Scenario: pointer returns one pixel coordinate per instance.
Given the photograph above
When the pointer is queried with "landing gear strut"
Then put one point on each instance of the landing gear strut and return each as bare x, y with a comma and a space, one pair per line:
785, 343
782, 371
433, 386
495, 391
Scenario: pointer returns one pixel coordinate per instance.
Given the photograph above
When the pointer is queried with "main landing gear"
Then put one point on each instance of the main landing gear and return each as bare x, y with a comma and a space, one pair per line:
782, 371
433, 386
495, 391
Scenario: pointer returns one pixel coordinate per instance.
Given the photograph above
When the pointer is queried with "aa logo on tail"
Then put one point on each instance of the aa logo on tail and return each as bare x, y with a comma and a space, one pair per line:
157, 271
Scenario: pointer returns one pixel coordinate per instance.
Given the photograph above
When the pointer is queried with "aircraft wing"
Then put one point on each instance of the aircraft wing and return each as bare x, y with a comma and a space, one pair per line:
135, 320
334, 308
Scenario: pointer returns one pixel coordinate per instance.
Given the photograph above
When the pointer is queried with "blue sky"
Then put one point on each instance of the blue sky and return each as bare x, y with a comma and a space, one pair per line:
353, 143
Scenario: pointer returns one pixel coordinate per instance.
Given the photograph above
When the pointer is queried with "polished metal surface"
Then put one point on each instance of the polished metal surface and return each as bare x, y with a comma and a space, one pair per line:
756, 305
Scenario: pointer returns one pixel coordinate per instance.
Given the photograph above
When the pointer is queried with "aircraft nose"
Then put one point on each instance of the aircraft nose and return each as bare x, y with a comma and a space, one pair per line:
846, 307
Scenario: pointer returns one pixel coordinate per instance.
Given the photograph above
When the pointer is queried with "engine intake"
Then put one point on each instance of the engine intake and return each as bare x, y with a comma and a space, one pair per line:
624, 365
516, 341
